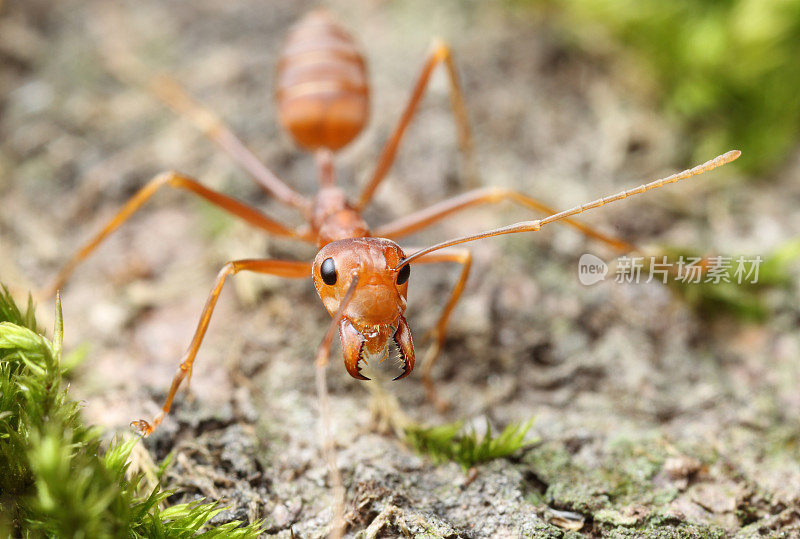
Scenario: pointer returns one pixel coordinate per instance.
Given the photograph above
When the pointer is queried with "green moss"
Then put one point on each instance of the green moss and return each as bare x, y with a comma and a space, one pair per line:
56, 478
743, 300
726, 70
449, 443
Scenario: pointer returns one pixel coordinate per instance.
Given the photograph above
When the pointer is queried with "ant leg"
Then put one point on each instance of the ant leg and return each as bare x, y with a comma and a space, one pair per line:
171, 93
172, 179
463, 257
440, 53
281, 268
491, 195
126, 67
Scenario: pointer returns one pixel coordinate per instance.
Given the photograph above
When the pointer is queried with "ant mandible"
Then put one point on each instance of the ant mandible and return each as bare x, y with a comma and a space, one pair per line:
361, 274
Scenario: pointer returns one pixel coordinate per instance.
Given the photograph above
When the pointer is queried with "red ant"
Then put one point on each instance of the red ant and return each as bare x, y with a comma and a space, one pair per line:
361, 274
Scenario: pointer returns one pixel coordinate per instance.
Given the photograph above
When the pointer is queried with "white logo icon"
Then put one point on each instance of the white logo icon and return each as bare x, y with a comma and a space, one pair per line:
591, 269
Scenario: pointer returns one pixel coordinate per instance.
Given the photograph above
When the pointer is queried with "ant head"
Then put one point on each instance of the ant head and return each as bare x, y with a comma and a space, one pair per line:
380, 295
377, 302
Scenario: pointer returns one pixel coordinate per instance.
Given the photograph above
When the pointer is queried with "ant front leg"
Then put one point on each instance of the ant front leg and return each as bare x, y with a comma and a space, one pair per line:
439, 332
440, 54
179, 181
281, 268
491, 195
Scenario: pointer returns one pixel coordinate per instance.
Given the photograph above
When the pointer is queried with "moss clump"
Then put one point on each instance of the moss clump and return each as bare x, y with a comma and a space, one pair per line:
56, 479
727, 71
449, 443
729, 293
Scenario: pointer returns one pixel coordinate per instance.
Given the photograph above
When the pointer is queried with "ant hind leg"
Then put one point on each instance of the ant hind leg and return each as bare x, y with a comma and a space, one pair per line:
440, 53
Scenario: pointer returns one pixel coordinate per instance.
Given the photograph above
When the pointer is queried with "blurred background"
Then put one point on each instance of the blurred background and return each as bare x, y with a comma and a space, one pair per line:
655, 406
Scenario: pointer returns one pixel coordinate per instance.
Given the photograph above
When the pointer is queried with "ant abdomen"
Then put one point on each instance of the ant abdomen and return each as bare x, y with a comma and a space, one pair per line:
322, 88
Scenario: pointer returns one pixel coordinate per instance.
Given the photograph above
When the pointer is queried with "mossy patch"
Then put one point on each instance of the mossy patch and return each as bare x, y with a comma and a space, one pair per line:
56, 477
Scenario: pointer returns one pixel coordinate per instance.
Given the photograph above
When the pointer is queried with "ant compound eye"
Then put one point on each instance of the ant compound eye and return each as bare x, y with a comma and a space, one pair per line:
328, 272
403, 274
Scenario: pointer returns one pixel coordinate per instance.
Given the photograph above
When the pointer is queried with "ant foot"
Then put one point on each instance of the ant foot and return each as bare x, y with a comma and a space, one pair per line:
142, 427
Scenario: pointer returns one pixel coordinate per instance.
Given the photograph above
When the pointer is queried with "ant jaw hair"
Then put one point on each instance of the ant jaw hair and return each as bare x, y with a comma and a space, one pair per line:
535, 225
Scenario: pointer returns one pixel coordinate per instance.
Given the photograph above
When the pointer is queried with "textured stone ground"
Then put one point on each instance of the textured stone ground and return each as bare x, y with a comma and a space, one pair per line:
650, 419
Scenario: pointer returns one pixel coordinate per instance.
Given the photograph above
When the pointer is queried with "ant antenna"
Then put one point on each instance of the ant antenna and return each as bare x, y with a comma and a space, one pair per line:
328, 447
533, 226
